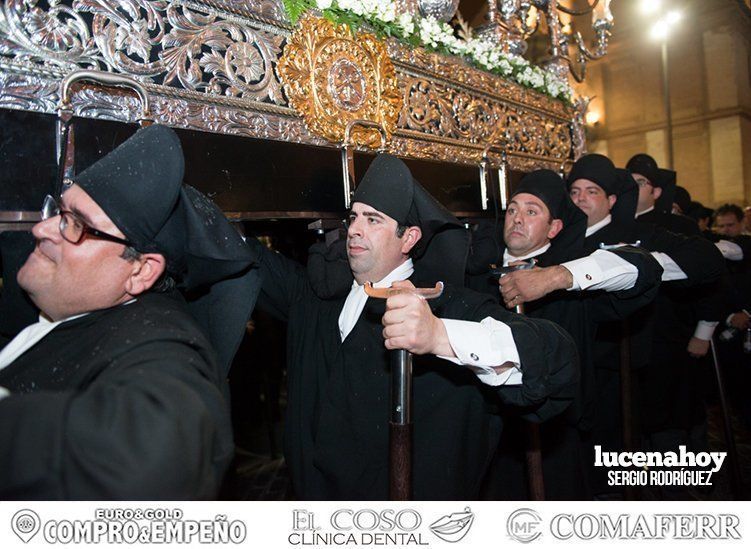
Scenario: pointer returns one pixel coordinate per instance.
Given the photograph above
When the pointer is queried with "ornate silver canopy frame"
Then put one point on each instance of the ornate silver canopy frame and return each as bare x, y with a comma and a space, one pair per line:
210, 65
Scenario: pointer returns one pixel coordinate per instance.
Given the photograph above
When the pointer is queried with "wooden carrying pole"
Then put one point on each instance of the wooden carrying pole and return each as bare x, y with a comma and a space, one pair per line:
533, 452
626, 392
736, 483
400, 424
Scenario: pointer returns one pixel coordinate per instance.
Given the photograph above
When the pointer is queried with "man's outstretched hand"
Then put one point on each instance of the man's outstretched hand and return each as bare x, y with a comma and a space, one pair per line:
410, 324
531, 284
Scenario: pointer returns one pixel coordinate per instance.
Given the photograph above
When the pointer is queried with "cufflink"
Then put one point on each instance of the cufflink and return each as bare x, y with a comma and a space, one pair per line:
588, 276
474, 357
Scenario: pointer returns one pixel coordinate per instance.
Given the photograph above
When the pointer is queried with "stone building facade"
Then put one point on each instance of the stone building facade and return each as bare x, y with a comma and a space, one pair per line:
709, 68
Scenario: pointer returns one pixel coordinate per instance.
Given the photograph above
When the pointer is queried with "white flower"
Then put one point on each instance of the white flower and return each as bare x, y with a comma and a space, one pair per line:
430, 31
525, 76
459, 47
517, 61
355, 6
406, 23
369, 7
556, 86
348, 5
436, 34
385, 10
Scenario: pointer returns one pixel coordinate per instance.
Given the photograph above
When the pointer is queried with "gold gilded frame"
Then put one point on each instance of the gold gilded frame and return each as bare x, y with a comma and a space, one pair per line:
332, 77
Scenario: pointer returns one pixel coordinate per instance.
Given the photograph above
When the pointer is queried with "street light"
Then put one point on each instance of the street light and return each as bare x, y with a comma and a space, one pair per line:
648, 7
660, 31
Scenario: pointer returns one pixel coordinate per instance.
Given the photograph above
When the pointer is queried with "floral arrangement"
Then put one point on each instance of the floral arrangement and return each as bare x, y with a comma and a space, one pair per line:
380, 17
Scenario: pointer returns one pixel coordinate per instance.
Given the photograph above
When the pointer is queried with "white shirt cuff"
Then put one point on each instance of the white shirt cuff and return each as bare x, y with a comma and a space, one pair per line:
482, 346
670, 269
730, 316
602, 270
705, 329
730, 250
4, 393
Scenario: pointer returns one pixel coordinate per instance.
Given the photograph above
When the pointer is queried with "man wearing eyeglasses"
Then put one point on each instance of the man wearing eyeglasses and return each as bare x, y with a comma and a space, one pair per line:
116, 392
657, 192
73, 268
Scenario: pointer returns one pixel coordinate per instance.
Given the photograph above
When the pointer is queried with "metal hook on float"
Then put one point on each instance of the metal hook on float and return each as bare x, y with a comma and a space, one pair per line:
500, 146
65, 138
348, 155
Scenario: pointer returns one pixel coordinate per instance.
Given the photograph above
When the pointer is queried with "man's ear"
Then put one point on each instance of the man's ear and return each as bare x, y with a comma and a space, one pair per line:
656, 192
556, 226
612, 199
146, 271
411, 237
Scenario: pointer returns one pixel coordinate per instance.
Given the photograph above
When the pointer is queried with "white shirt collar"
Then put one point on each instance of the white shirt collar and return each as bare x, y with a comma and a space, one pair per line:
32, 334
357, 297
599, 225
644, 211
508, 258
402, 272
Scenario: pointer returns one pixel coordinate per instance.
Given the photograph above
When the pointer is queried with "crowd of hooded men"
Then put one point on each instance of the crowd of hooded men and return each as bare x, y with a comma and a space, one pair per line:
122, 314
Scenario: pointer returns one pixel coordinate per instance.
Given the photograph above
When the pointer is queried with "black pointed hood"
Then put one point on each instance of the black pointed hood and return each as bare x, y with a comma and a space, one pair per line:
549, 187
388, 186
614, 181
139, 185
645, 165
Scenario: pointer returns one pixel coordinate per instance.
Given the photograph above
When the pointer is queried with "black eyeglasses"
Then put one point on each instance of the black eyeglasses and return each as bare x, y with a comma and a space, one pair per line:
72, 228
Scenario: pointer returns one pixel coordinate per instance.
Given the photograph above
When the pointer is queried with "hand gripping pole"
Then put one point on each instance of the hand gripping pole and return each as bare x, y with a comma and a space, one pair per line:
400, 424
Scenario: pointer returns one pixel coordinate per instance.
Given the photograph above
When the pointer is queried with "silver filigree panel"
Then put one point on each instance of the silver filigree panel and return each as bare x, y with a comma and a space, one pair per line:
154, 41
210, 65
27, 93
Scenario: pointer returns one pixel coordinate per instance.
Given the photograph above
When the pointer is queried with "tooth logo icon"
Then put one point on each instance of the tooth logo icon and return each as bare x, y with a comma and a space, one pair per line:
453, 527
25, 524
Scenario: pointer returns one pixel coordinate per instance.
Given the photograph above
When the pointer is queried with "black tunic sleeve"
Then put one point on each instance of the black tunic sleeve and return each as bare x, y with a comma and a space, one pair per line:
744, 241
548, 358
148, 427
550, 369
607, 306
696, 256
283, 282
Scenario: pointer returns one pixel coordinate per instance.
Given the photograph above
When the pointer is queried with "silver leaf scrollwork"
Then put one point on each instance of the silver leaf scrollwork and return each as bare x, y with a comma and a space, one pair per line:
57, 36
156, 41
211, 65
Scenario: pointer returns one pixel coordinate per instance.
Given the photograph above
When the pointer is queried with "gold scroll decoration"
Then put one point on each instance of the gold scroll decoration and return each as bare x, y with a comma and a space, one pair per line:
332, 77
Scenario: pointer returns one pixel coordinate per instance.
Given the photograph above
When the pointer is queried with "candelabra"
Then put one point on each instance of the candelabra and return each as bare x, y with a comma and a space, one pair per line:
512, 22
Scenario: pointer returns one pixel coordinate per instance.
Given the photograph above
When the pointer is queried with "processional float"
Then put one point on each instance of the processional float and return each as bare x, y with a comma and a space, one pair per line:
277, 118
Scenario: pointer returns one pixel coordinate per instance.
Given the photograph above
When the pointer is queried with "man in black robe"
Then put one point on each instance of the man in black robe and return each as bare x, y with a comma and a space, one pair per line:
609, 197
685, 317
701, 215
658, 198
736, 308
657, 192
542, 223
116, 392
472, 354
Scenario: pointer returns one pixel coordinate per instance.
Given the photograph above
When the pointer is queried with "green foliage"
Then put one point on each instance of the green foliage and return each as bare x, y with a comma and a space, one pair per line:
440, 39
295, 8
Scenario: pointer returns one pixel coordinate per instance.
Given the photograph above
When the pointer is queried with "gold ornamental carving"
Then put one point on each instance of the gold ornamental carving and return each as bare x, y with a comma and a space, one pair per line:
332, 77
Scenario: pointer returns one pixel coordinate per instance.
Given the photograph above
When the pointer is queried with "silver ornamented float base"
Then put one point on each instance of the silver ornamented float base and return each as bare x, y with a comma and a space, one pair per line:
443, 10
